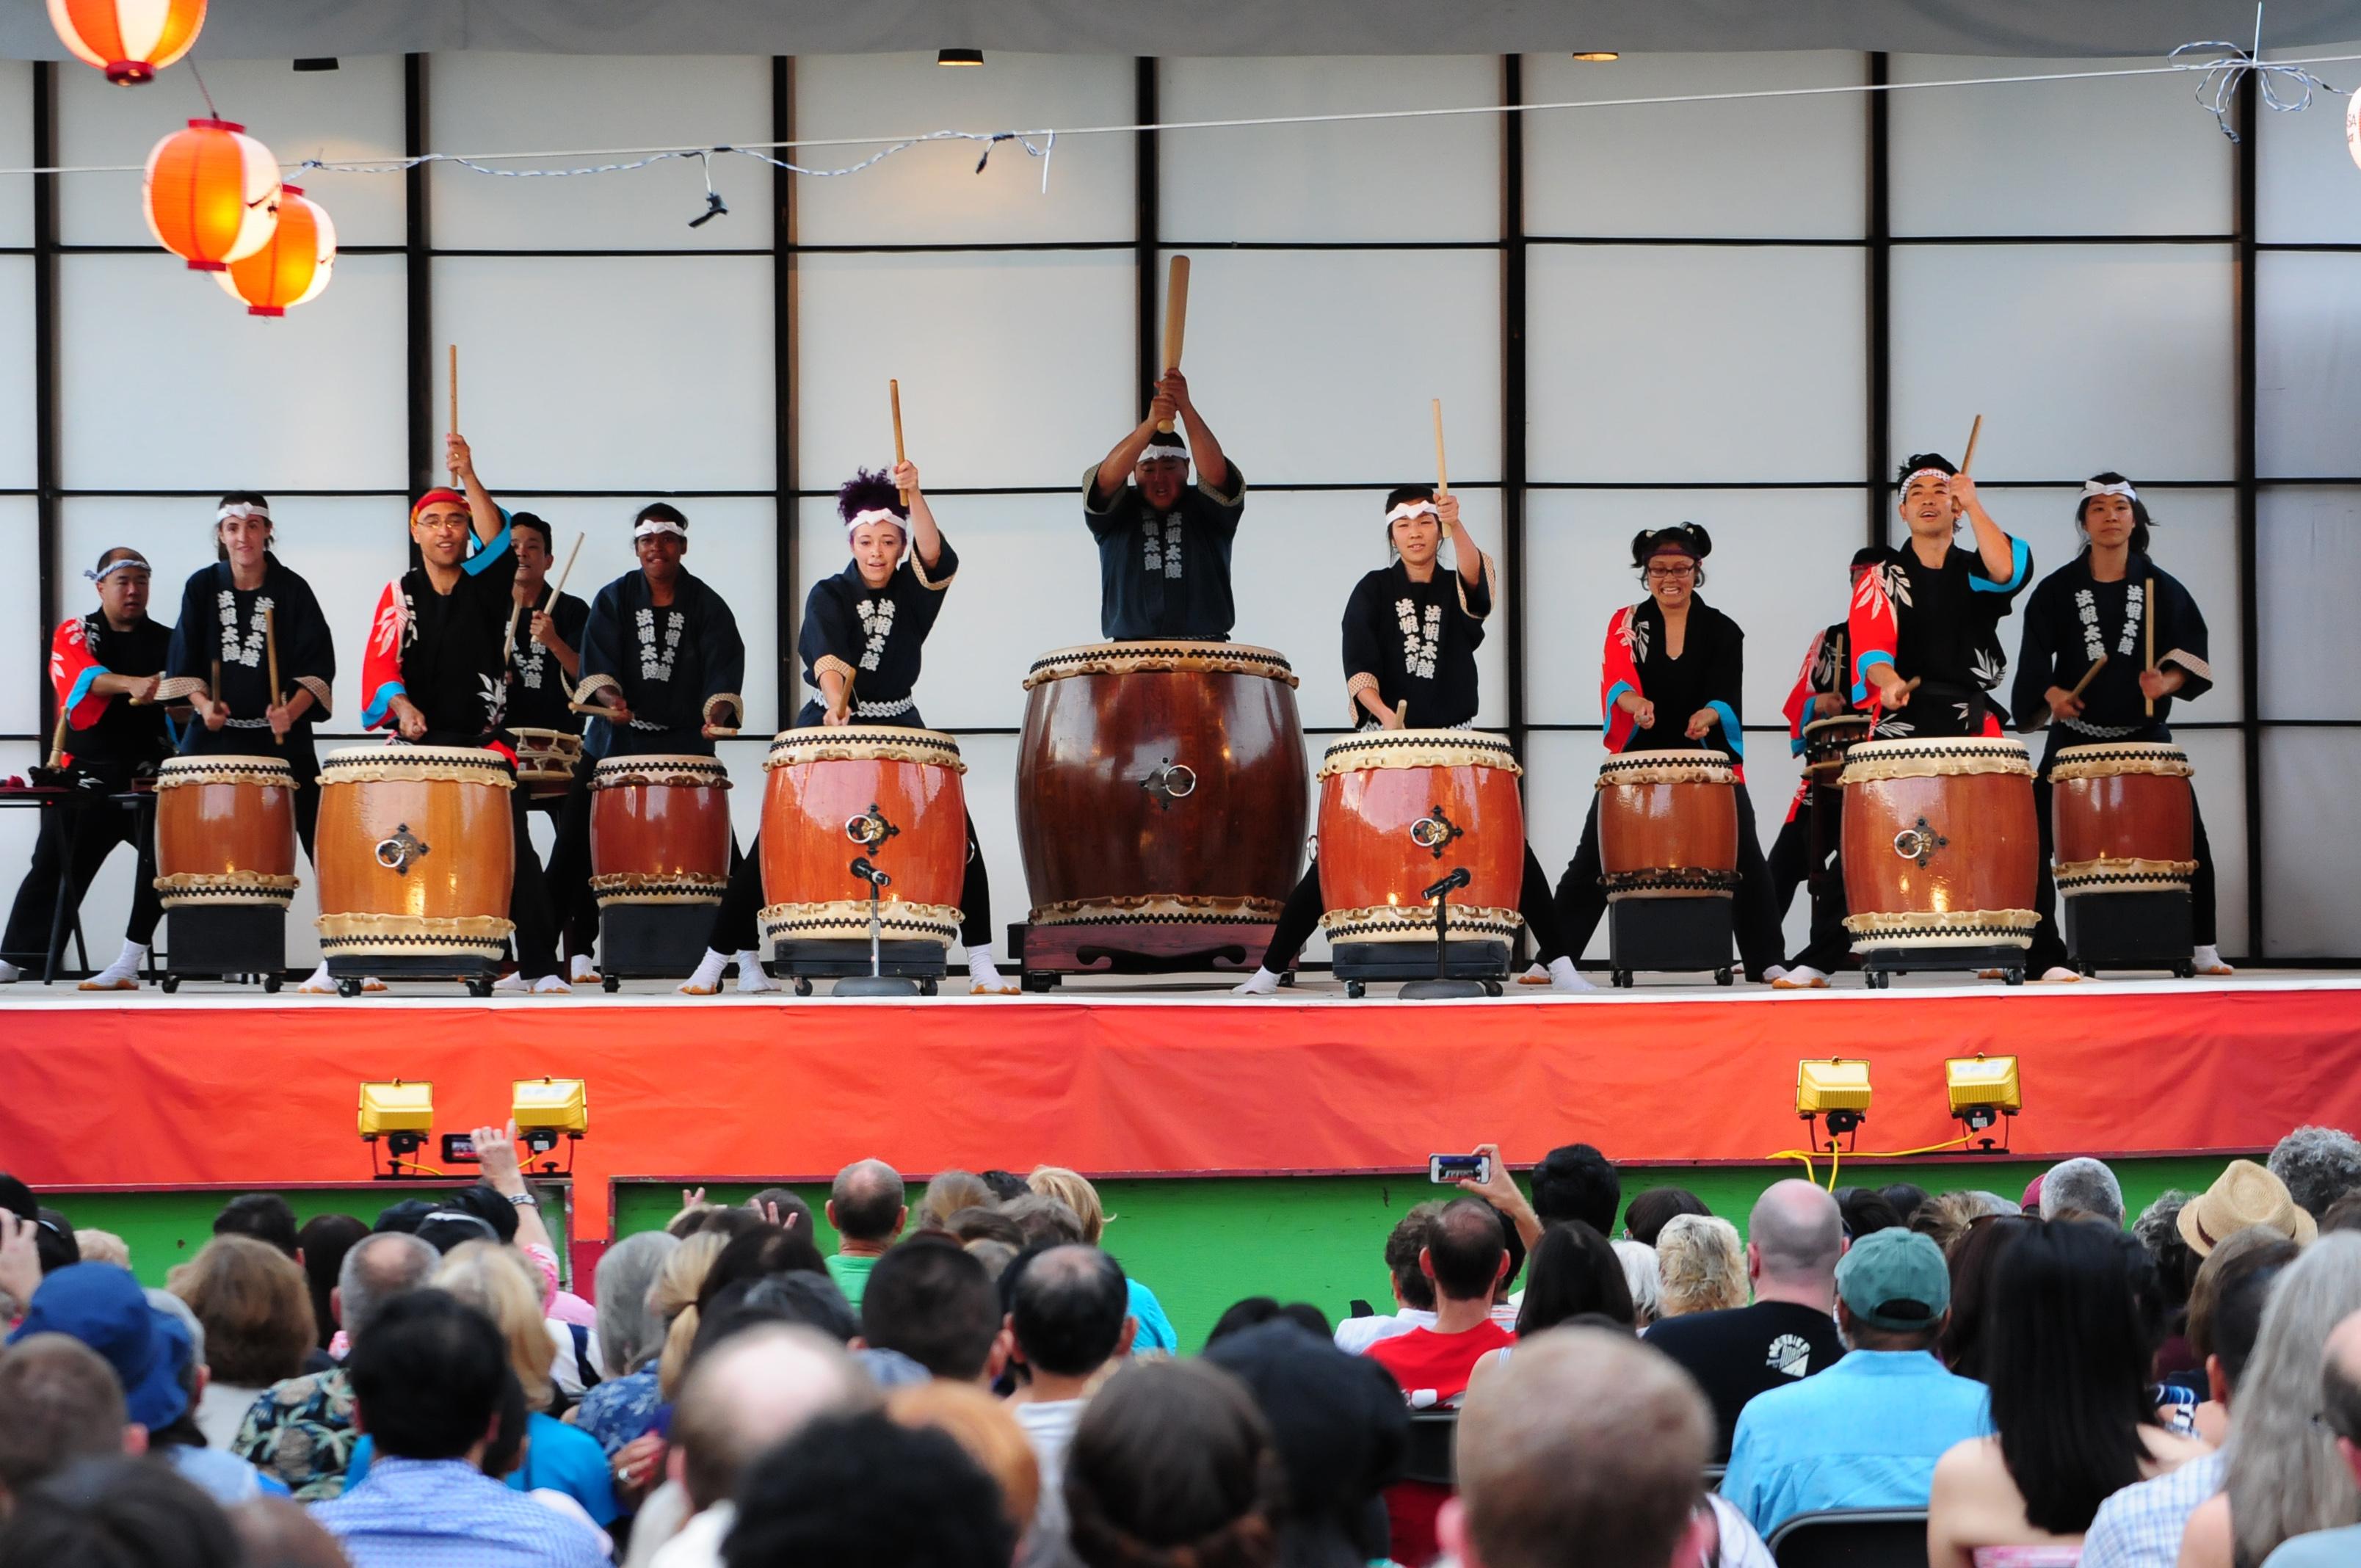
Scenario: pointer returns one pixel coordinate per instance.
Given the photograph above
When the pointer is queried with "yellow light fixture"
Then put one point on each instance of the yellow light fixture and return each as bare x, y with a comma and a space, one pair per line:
549, 1108
401, 1115
1597, 54
1836, 1091
959, 57
1982, 1090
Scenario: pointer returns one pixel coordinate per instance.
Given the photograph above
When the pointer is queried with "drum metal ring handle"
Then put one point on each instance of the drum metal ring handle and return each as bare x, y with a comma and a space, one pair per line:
869, 828
397, 853
1919, 843
1435, 831
1170, 781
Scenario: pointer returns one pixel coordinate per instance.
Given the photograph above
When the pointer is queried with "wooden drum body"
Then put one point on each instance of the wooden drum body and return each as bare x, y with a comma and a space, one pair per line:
659, 830
546, 760
1940, 844
225, 832
2123, 818
1401, 809
1161, 783
1668, 826
415, 855
890, 796
1827, 741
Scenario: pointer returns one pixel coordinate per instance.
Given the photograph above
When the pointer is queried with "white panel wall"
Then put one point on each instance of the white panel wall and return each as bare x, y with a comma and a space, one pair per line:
2308, 398
2309, 639
25, 643
16, 151
2309, 820
2307, 184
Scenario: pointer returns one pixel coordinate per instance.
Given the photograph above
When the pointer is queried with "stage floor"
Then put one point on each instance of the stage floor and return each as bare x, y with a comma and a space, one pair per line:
222, 1086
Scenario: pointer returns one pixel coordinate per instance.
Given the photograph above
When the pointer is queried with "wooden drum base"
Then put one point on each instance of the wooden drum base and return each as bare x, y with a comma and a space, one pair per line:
1357, 964
652, 941
805, 961
2129, 930
349, 969
1880, 965
1139, 947
1669, 934
223, 941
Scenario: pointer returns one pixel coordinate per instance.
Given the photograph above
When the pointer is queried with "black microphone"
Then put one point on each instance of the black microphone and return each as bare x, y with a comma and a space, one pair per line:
861, 868
1451, 883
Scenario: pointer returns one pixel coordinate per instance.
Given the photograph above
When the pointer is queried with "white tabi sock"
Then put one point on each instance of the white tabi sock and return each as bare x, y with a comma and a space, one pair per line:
708, 978
2208, 961
513, 982
981, 970
126, 967
9, 973
751, 975
584, 968
552, 986
1262, 982
1564, 976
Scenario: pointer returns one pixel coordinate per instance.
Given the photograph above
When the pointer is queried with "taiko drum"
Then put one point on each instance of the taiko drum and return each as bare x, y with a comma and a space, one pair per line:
224, 831
1402, 809
2123, 818
415, 853
891, 797
659, 830
1940, 843
546, 760
1668, 824
1160, 781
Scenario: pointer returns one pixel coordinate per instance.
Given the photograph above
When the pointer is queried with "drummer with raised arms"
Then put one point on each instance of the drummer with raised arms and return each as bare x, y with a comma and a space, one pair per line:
1164, 544
2092, 612
1410, 632
1671, 680
435, 670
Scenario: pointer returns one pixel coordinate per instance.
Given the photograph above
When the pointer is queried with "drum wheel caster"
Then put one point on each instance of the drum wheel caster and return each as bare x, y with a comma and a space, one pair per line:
1877, 978
170, 982
928, 987
1356, 989
479, 988
1723, 977
2012, 977
1621, 978
2086, 972
1287, 980
1492, 987
611, 983
348, 988
803, 986
2185, 972
270, 984
1037, 983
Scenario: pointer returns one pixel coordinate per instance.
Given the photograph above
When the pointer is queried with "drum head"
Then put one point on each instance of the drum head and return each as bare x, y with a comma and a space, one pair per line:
863, 743
1154, 655
1418, 749
1934, 757
268, 772
453, 764
1667, 767
679, 772
2117, 757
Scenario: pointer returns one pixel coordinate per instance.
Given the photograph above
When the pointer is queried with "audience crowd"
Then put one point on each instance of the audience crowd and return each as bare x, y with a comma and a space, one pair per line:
973, 1378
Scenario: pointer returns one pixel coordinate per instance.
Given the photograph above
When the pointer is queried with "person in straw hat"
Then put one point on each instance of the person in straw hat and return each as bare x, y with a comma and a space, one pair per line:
2244, 1194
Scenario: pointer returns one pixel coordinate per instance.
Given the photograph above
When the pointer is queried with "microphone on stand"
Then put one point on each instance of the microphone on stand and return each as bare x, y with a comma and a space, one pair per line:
875, 878
1452, 883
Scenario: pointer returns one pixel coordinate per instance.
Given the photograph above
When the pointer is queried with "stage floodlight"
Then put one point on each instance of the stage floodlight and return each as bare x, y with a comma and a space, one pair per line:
1982, 1090
401, 1113
1598, 55
548, 1108
959, 57
1836, 1091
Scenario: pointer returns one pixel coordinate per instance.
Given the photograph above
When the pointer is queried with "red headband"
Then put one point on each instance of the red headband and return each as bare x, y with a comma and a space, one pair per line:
438, 497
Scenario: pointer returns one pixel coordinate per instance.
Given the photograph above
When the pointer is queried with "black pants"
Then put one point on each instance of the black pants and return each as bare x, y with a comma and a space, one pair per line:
734, 924
1301, 916
1830, 947
577, 914
92, 827
1790, 859
2049, 950
1581, 900
529, 906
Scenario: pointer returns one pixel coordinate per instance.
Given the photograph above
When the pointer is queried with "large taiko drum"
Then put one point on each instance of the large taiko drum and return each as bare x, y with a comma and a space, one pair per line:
2123, 818
1668, 826
225, 832
546, 760
659, 830
1940, 844
1161, 783
891, 797
1828, 742
416, 860
1399, 810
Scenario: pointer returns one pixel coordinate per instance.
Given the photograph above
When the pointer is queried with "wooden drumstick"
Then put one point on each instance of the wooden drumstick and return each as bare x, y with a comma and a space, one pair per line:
57, 741
2088, 676
455, 388
568, 570
271, 647
2147, 611
1442, 472
216, 694
894, 396
1176, 318
1973, 431
595, 709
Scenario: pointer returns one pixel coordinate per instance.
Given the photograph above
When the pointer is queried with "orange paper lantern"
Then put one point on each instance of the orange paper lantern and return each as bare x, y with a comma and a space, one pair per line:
212, 194
292, 264
130, 41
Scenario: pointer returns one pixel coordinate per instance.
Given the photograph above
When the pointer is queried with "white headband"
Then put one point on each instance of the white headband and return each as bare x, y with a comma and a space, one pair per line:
1916, 474
659, 525
242, 509
2124, 488
1410, 509
853, 524
127, 564
1156, 449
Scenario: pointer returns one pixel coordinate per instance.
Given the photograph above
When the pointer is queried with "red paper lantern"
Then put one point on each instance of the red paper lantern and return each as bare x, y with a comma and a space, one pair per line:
130, 41
292, 264
212, 194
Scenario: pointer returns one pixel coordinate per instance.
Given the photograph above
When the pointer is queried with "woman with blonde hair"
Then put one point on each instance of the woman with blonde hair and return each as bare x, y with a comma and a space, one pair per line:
498, 1282
1701, 1265
256, 1308
1155, 1333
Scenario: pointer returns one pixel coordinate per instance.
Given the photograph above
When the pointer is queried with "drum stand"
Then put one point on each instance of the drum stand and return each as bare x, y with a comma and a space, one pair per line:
649, 941
1672, 934
225, 941
877, 982
2137, 930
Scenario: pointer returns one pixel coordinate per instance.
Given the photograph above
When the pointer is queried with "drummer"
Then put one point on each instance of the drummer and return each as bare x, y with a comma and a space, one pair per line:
1806, 849
436, 669
1930, 612
115, 652
1411, 633
1672, 681
864, 631
232, 614
2096, 603
545, 653
1164, 544
661, 654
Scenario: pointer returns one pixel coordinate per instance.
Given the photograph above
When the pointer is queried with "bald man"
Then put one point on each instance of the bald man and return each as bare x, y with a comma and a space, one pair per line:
868, 1206
1624, 1485
1793, 1238
2340, 1412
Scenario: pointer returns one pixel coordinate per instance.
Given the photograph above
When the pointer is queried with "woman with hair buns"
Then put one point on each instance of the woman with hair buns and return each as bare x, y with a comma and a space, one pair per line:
1672, 681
